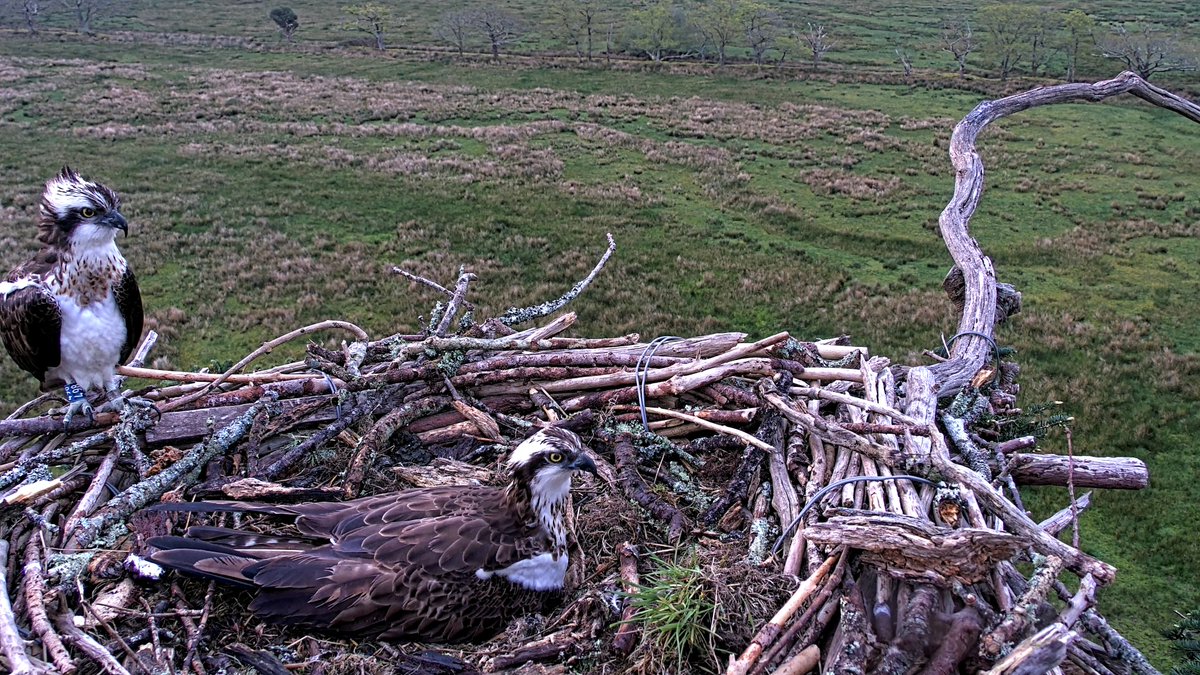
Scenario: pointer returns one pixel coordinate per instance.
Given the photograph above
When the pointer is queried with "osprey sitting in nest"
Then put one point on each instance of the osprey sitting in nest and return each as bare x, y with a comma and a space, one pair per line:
441, 564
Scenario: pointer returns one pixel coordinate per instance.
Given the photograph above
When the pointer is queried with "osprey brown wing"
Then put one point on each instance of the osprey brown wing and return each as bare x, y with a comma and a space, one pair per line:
30, 322
129, 304
402, 578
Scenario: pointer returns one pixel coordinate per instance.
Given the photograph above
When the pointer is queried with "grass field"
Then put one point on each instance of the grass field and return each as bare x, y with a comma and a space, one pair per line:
268, 189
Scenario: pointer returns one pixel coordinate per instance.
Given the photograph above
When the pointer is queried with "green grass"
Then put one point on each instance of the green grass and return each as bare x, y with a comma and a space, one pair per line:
268, 189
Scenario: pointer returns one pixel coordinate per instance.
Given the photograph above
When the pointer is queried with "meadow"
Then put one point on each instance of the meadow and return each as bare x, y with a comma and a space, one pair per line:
269, 188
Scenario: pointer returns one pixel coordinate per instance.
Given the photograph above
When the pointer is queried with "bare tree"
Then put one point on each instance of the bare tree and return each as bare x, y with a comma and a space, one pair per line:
817, 41
1080, 29
86, 12
372, 18
763, 28
287, 21
454, 28
578, 21
1148, 49
501, 28
721, 23
906, 63
959, 40
29, 12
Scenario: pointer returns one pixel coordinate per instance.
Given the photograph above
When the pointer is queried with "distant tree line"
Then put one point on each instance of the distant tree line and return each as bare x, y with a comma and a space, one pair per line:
1010, 38
30, 14
1000, 39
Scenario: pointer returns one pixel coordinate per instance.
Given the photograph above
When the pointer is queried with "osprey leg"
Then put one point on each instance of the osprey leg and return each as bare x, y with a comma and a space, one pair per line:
76, 402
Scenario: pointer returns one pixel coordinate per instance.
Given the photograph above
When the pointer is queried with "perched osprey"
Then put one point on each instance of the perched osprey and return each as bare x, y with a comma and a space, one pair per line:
72, 313
442, 564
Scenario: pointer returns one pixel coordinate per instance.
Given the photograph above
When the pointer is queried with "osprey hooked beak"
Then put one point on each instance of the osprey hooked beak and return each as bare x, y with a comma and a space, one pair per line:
115, 220
583, 462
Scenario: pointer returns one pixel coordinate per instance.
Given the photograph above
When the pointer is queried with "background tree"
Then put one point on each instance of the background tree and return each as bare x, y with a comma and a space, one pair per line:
1147, 49
1078, 30
28, 12
369, 17
905, 60
721, 23
763, 28
287, 21
658, 30
499, 28
578, 22
454, 28
817, 42
1009, 29
86, 12
959, 39
1045, 25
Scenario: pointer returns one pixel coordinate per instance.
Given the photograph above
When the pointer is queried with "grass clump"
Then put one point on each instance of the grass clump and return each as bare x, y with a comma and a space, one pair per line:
675, 609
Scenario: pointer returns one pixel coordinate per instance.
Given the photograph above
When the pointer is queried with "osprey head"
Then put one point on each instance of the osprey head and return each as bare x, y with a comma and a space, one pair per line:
546, 461
78, 212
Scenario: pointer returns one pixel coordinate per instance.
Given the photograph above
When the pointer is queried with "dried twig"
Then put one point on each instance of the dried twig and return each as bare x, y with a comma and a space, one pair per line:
521, 315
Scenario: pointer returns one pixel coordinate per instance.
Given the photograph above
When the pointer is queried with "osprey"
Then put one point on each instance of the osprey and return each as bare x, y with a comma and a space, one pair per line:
442, 564
72, 313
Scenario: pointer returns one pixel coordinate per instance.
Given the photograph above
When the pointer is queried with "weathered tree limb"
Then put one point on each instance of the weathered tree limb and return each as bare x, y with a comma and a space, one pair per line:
87, 503
635, 488
627, 633
965, 626
1062, 519
12, 645
812, 622
516, 315
915, 548
907, 649
858, 643
364, 406
922, 389
1024, 612
456, 301
979, 293
1114, 473
1038, 654
264, 349
88, 645
803, 662
373, 440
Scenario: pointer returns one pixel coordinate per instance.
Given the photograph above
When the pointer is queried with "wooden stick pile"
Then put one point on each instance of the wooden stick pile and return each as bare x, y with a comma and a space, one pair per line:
885, 557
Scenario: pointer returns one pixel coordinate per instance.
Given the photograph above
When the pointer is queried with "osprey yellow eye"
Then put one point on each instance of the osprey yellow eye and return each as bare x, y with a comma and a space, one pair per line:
555, 458
87, 213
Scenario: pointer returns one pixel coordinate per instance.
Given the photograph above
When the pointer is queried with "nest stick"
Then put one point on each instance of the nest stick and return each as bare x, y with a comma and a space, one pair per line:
88, 645
456, 301
33, 582
373, 440
11, 643
811, 620
266, 348
712, 426
770, 632
635, 488
627, 632
517, 315
150, 489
